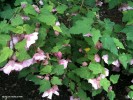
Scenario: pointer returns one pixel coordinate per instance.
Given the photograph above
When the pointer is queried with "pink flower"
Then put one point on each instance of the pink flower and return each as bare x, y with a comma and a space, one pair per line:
31, 38
54, 10
8, 67
14, 40
57, 23
98, 45
87, 35
50, 92
95, 83
99, 3
106, 73
80, 50
63, 62
105, 58
84, 64
116, 63
125, 7
58, 54
131, 62
56, 33
39, 55
36, 8
27, 63
97, 58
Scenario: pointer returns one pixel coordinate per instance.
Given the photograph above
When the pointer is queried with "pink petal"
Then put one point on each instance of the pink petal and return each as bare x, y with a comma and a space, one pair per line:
84, 64
105, 58
57, 23
131, 62
58, 54
63, 62
97, 58
87, 35
27, 63
116, 63
31, 38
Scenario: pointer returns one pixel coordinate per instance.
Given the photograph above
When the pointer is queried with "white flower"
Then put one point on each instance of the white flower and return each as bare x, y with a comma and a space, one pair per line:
106, 73
31, 38
95, 83
41, 2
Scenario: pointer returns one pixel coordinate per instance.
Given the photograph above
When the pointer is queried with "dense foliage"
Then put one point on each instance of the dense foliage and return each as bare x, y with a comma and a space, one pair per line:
64, 42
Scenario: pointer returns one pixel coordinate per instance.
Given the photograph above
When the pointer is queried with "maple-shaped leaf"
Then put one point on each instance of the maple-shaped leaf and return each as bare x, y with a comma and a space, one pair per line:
82, 26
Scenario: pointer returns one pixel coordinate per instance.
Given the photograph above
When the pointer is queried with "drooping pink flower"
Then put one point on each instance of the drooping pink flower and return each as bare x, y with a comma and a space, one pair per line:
54, 10
36, 8
84, 64
27, 63
95, 83
97, 58
14, 40
125, 7
131, 62
80, 50
39, 55
8, 67
57, 23
31, 38
99, 3
105, 74
116, 63
87, 35
72, 98
63, 62
58, 55
105, 58
50, 92
56, 33
98, 45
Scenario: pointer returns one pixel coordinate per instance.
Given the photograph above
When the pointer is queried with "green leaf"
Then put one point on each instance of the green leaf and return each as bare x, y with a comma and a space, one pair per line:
4, 39
82, 26
58, 70
61, 8
114, 78
105, 84
131, 87
130, 94
83, 72
95, 35
29, 9
82, 94
118, 43
46, 69
113, 3
16, 21
57, 28
56, 81
111, 95
22, 55
45, 85
5, 53
20, 45
18, 29
47, 18
127, 16
125, 59
5, 27
128, 30
28, 28
109, 44
96, 68
96, 92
